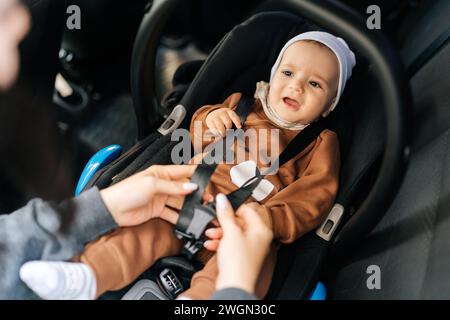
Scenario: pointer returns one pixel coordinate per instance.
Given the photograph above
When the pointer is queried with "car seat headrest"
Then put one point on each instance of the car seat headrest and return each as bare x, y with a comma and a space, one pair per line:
243, 57
246, 55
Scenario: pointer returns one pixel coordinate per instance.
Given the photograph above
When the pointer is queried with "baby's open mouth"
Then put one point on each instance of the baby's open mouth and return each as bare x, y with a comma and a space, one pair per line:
291, 103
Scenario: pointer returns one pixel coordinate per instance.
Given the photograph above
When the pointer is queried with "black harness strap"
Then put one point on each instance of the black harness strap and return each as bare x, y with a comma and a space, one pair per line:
301, 141
238, 196
201, 177
194, 216
244, 107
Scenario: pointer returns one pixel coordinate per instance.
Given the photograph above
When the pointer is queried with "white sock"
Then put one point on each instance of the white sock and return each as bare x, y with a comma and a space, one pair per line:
59, 280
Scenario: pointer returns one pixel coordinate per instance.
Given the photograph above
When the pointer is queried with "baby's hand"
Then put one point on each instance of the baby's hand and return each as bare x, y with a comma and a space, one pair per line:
218, 121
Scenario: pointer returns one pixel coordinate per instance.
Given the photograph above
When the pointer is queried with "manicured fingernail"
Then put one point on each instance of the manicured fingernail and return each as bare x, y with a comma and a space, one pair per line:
221, 201
208, 232
206, 243
189, 186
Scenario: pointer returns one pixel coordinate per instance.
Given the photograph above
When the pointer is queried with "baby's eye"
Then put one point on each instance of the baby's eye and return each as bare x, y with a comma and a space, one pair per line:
287, 73
315, 84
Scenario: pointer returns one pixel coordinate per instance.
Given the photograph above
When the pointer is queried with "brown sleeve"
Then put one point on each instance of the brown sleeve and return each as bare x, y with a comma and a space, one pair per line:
201, 114
303, 205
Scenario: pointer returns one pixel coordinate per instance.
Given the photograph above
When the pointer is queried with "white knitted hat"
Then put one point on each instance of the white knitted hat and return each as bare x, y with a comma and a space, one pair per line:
340, 48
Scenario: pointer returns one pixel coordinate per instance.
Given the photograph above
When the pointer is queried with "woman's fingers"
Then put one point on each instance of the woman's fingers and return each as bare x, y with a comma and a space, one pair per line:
249, 215
167, 187
225, 213
175, 201
172, 172
251, 218
207, 197
211, 245
169, 215
178, 172
215, 223
214, 233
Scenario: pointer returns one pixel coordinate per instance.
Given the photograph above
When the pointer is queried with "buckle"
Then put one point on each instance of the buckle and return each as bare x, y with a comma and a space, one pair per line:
194, 215
202, 216
191, 247
183, 235
169, 283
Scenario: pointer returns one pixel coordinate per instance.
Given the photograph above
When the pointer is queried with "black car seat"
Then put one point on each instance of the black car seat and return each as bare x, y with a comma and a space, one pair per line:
410, 245
245, 56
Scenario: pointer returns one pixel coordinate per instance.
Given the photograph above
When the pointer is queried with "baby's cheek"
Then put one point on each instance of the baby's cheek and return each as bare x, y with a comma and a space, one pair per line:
271, 96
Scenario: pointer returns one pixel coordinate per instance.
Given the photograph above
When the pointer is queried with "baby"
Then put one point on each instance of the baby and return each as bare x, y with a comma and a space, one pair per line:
306, 82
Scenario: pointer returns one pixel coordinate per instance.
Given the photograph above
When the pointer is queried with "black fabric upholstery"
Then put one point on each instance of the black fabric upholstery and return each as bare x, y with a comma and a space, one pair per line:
156, 153
431, 96
422, 27
361, 132
411, 243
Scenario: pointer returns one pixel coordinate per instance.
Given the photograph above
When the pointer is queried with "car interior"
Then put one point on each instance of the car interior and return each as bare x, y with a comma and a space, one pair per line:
121, 78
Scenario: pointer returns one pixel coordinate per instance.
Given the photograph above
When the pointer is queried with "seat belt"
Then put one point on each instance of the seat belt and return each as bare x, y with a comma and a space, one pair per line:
195, 216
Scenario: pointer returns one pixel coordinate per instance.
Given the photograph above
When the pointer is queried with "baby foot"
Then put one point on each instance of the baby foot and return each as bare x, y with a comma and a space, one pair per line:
59, 280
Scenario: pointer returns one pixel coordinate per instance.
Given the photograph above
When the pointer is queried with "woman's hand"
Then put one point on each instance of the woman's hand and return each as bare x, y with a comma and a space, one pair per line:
218, 121
246, 243
143, 196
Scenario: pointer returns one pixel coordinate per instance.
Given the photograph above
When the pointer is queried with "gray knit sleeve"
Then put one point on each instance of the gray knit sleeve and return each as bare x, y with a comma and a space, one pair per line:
232, 294
48, 231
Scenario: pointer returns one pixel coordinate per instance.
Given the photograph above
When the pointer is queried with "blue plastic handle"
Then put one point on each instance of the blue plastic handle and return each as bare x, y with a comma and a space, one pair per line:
97, 161
319, 292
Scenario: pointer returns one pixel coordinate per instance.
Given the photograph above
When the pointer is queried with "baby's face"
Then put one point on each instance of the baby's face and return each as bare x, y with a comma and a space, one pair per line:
305, 84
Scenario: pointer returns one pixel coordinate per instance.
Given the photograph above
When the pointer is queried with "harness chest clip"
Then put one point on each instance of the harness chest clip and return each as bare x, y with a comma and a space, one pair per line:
202, 216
